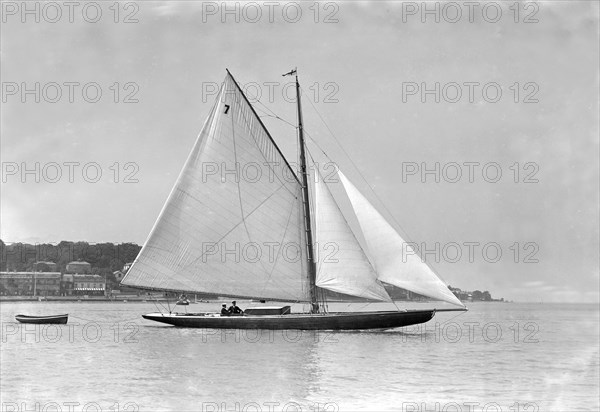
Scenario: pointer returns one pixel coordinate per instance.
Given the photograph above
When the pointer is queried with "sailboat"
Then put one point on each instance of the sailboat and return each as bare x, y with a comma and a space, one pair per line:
240, 222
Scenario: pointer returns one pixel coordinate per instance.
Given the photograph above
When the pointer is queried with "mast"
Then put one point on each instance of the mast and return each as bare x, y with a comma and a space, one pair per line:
312, 267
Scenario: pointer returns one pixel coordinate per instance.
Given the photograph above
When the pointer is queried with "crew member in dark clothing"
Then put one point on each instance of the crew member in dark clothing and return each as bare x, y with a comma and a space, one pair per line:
224, 311
234, 309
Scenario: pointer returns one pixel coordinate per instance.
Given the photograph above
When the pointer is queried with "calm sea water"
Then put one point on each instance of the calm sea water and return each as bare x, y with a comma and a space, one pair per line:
496, 357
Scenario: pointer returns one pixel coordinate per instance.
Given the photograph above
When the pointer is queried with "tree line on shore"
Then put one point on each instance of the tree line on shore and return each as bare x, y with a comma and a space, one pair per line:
106, 258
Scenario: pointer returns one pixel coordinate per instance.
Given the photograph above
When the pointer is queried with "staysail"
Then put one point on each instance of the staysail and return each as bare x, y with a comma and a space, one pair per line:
395, 261
233, 224
342, 265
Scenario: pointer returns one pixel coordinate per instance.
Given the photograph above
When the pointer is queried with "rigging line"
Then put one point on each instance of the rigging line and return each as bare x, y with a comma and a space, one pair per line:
317, 145
396, 305
460, 314
261, 110
262, 113
257, 100
325, 303
273, 114
154, 301
277, 117
431, 266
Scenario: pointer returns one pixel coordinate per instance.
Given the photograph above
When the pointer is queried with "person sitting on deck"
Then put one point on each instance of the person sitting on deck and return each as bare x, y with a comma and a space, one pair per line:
183, 300
224, 311
234, 309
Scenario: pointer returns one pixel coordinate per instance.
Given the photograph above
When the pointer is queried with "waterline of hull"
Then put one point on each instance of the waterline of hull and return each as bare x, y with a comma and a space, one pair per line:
329, 321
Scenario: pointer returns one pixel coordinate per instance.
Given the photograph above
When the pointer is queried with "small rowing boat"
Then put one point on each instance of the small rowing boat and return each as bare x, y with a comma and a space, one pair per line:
57, 319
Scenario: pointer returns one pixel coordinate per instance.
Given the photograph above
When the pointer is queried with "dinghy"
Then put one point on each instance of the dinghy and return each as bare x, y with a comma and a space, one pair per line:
56, 319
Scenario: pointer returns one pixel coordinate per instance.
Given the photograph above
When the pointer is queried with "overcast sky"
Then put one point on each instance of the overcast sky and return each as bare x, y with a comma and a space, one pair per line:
363, 67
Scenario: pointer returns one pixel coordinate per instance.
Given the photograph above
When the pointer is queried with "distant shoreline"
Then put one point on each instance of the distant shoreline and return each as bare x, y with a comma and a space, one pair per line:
94, 299
146, 299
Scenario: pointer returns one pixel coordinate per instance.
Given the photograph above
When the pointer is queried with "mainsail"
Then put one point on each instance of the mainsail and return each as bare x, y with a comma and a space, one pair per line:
342, 265
233, 224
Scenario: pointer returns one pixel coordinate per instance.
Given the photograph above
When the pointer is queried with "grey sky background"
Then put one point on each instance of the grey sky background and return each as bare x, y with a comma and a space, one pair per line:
175, 52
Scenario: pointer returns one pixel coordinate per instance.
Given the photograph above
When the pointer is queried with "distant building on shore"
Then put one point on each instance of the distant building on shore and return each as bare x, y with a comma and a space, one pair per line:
79, 267
82, 284
42, 266
30, 283
119, 275
462, 295
51, 284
